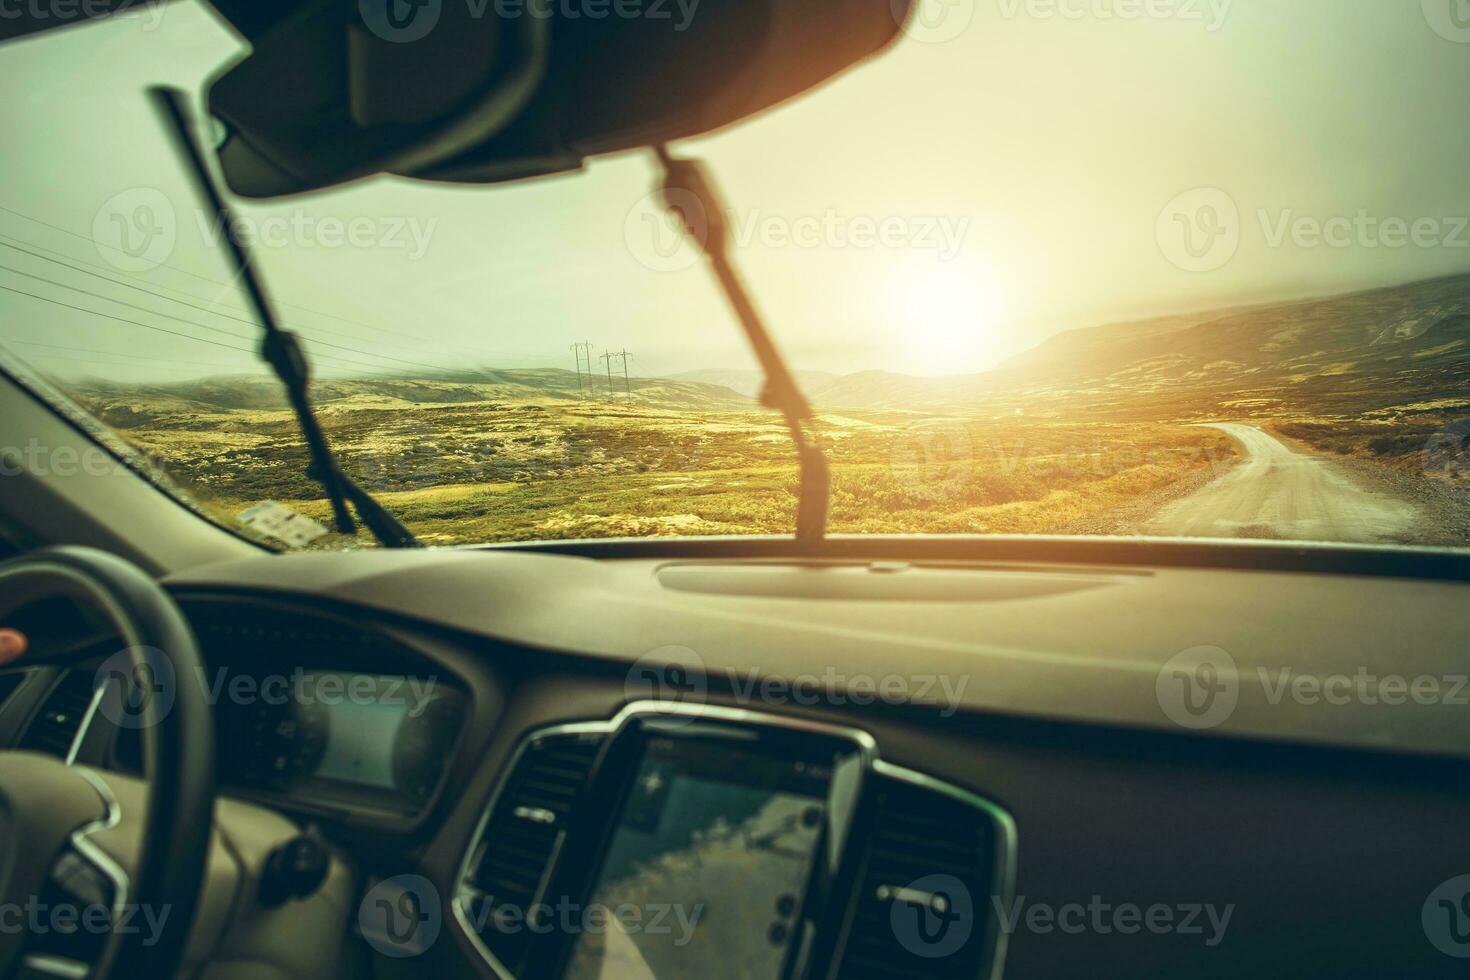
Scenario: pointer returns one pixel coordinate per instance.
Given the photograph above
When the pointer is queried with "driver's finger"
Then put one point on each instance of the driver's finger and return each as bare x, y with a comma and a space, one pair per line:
12, 645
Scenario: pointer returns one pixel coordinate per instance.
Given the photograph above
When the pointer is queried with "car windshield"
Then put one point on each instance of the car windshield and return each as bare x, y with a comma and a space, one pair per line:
1219, 290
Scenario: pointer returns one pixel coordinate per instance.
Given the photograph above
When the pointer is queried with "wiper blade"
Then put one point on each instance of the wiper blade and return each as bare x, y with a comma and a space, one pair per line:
281, 348
686, 182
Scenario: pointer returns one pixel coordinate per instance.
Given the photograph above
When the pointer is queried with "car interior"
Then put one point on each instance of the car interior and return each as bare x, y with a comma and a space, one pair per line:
818, 753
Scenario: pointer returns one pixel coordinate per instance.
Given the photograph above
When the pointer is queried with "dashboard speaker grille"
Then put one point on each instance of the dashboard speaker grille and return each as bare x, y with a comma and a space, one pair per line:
925, 892
509, 866
56, 724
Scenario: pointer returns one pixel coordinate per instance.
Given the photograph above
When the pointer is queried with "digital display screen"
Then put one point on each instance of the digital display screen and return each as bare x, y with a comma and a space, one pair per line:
706, 872
360, 741
371, 740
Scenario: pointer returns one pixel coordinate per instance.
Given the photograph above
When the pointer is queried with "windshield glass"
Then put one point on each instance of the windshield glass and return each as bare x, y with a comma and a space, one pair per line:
1218, 290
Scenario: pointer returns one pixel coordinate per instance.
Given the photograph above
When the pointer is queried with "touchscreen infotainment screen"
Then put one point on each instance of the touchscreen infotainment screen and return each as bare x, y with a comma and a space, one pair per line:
707, 867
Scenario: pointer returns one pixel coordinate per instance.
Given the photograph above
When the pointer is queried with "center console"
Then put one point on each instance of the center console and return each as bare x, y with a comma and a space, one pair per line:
695, 841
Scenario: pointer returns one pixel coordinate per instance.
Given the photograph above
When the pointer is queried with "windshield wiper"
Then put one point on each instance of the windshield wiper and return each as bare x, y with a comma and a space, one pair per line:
281, 349
686, 180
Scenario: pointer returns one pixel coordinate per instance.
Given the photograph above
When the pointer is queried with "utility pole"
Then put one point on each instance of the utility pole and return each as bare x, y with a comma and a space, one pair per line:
607, 357
627, 387
578, 351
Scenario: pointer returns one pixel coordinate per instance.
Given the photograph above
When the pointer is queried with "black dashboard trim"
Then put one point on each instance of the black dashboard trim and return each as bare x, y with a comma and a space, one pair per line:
1388, 561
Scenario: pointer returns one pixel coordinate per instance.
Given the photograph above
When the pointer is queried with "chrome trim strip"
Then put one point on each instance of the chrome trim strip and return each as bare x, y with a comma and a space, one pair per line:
101, 859
721, 713
82, 729
1005, 827
55, 966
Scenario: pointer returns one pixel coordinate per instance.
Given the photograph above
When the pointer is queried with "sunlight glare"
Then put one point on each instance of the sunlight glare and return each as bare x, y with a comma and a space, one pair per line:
949, 317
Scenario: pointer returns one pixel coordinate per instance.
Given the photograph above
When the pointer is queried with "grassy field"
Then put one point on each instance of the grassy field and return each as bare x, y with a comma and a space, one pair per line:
1429, 439
522, 470
1092, 431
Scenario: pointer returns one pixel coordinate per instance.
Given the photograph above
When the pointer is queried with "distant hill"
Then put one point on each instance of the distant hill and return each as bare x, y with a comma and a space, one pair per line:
1383, 350
1350, 354
121, 404
748, 383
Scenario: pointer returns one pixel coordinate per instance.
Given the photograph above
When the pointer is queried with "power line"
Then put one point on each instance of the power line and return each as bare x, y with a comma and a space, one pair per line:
175, 333
109, 316
9, 242
170, 316
213, 309
110, 353
219, 282
164, 265
215, 329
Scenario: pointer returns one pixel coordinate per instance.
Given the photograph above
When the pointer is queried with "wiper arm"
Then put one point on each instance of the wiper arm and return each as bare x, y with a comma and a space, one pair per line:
281, 349
687, 179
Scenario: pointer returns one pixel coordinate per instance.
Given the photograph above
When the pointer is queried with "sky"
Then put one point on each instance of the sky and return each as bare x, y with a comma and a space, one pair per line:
1007, 170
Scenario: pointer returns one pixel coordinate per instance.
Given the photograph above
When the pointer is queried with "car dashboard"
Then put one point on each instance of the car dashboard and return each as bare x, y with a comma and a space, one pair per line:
830, 768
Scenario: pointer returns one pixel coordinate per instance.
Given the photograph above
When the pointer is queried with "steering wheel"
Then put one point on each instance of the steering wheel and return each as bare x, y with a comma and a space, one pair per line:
50, 810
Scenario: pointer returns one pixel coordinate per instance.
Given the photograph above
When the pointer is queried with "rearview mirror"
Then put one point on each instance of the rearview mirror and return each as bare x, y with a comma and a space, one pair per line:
493, 90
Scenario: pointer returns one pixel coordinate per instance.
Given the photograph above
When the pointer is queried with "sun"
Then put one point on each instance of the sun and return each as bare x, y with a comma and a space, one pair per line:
947, 318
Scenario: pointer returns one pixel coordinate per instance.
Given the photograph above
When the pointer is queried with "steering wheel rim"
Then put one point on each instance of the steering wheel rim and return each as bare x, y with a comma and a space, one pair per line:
177, 736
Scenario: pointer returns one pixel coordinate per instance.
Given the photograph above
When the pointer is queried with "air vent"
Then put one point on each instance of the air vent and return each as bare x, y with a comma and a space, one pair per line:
924, 904
55, 726
511, 859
